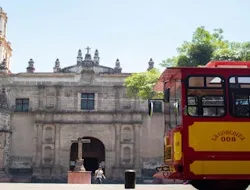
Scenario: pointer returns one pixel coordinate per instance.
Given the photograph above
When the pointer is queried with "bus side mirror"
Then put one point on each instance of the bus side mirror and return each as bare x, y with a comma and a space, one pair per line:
150, 107
166, 95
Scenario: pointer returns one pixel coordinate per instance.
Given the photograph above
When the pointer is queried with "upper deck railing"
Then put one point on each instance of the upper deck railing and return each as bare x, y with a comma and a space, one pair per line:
228, 64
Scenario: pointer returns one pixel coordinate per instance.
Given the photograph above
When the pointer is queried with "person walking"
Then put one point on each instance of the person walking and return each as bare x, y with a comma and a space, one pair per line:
99, 175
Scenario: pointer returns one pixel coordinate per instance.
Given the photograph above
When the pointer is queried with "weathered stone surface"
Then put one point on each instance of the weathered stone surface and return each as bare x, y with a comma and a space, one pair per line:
40, 139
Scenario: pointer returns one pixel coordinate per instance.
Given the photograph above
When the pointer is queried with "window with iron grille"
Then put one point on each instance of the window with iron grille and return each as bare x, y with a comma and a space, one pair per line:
22, 105
87, 101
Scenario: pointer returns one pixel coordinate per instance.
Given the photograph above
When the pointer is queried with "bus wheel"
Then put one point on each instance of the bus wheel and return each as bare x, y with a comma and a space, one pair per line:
221, 185
233, 185
201, 184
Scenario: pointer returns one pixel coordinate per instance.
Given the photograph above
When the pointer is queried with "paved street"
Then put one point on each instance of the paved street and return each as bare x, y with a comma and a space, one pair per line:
28, 186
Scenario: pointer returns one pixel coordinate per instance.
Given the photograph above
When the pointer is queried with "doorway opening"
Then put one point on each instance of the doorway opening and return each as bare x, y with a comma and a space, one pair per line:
93, 154
91, 164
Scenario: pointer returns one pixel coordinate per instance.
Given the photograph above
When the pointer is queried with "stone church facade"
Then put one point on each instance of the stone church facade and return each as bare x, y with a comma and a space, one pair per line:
42, 113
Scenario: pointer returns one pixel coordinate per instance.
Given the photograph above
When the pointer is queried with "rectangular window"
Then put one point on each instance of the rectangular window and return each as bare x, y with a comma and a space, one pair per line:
213, 82
192, 102
239, 94
157, 108
22, 105
87, 101
206, 99
239, 82
196, 82
213, 105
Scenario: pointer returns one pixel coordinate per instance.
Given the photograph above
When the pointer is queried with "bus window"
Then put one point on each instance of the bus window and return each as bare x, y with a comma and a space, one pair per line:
241, 105
196, 81
213, 82
192, 105
239, 93
213, 105
206, 100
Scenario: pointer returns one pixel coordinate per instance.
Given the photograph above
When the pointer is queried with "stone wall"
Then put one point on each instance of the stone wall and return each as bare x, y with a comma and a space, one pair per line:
5, 143
41, 138
23, 135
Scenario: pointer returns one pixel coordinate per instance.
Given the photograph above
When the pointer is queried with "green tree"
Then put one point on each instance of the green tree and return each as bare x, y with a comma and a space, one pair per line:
140, 85
206, 46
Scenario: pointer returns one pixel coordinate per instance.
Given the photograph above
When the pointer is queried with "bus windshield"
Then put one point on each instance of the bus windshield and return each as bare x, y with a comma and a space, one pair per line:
205, 96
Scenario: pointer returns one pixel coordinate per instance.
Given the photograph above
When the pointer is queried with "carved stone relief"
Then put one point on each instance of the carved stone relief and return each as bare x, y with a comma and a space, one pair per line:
126, 134
50, 102
48, 155
48, 133
127, 154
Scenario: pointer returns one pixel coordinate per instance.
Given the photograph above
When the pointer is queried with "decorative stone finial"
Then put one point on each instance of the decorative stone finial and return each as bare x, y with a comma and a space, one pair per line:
117, 63
118, 68
87, 55
96, 57
79, 57
57, 67
96, 52
30, 68
150, 64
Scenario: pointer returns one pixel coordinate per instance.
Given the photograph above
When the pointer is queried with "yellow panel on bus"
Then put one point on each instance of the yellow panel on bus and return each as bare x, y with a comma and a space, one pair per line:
220, 136
177, 146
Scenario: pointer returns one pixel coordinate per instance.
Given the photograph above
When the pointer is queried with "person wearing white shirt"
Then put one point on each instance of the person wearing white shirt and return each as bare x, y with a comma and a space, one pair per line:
99, 175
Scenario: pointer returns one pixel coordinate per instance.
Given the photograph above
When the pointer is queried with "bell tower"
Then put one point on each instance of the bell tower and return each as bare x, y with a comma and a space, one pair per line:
5, 46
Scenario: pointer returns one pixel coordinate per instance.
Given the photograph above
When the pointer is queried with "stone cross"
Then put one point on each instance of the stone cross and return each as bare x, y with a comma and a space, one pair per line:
79, 162
88, 48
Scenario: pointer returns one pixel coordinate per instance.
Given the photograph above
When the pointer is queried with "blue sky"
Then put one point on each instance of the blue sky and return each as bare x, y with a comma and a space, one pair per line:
131, 30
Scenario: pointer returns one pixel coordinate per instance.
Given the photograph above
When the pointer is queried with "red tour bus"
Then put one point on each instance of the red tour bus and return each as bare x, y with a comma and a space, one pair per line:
208, 136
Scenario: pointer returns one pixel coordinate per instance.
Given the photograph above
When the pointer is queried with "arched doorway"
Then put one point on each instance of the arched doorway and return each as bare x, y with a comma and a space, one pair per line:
93, 154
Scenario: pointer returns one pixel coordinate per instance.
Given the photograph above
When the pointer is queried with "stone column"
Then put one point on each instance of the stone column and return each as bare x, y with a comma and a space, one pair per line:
37, 171
41, 101
56, 172
137, 146
39, 145
35, 139
57, 145
117, 145
109, 162
58, 94
79, 150
117, 97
